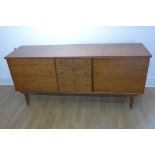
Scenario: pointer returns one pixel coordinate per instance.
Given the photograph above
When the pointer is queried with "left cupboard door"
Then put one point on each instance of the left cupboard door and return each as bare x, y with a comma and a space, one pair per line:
33, 74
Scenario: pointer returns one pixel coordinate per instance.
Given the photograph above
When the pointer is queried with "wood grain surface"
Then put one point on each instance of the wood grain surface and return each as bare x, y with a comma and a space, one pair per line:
81, 50
84, 68
120, 75
74, 75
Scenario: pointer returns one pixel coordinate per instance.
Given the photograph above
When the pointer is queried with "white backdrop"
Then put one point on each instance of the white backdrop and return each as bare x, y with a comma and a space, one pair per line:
14, 36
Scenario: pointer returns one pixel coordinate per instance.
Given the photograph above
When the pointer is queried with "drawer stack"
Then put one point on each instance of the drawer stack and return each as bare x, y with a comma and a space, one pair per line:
33, 74
74, 74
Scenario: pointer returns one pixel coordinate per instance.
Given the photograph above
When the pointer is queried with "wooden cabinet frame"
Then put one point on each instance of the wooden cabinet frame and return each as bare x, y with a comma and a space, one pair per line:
91, 69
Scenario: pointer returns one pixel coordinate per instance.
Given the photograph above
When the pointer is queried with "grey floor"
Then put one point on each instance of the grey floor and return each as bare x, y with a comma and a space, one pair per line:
75, 112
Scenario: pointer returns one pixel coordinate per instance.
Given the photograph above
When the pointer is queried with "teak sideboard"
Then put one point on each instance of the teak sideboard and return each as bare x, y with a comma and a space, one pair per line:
115, 69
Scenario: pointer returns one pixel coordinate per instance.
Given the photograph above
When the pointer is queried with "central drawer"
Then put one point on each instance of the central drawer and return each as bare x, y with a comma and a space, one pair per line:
77, 72
74, 74
75, 85
73, 62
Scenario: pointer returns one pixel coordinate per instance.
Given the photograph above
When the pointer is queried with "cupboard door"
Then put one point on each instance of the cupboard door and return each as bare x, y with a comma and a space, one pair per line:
35, 74
120, 75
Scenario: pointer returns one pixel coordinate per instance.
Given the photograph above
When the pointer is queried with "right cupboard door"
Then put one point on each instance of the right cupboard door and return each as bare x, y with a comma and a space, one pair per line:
120, 75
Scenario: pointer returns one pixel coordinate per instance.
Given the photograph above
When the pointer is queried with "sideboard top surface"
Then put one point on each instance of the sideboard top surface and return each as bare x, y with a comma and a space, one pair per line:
80, 50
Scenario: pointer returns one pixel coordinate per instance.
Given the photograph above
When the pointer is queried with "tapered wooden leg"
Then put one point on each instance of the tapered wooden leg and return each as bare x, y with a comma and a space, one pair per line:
26, 98
131, 102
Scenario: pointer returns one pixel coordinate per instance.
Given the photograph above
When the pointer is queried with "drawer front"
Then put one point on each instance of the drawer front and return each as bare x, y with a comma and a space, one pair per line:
119, 86
74, 72
83, 85
66, 85
35, 70
74, 82
128, 63
28, 84
79, 63
125, 75
120, 72
62, 63
73, 62
65, 73
74, 85
83, 73
82, 82
42, 84
30, 61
